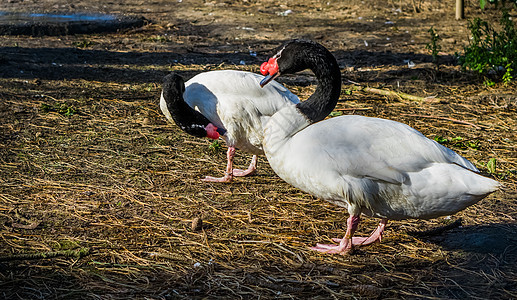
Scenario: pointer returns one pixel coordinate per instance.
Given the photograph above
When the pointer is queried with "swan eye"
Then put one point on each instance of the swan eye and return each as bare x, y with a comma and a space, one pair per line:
269, 67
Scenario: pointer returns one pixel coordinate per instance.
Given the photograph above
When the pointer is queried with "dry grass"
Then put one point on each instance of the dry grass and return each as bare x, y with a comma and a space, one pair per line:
103, 201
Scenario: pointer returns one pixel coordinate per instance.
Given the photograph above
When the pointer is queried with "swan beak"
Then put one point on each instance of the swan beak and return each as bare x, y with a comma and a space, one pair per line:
221, 131
268, 78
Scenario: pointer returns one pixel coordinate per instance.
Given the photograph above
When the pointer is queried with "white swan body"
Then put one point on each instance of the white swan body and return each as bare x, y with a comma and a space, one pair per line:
234, 102
372, 166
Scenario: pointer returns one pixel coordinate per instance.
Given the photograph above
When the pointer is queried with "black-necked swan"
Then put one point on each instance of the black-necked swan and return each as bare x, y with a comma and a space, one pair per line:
372, 166
231, 102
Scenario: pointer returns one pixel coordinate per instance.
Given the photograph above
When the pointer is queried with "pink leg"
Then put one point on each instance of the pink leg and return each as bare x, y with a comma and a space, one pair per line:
376, 235
346, 243
228, 175
250, 171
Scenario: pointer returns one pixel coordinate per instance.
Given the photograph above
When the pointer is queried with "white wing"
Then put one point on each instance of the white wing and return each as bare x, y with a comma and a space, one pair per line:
377, 148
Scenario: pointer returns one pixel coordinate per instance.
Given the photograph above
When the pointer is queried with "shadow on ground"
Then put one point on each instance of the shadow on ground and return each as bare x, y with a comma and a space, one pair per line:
494, 239
142, 67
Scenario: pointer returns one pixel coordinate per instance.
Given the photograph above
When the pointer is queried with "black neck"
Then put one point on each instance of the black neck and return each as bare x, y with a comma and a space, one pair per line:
321, 103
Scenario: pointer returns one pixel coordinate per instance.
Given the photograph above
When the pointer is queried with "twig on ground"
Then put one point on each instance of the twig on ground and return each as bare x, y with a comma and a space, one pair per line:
353, 109
444, 118
67, 253
389, 93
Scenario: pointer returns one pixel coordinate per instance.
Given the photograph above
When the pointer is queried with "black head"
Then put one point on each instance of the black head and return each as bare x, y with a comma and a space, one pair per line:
298, 55
188, 119
173, 87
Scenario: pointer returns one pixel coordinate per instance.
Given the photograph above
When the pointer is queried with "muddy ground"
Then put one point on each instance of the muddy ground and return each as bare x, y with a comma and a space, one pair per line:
98, 192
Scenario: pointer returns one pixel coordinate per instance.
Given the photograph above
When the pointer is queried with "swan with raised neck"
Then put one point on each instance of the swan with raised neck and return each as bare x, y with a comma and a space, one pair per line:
372, 166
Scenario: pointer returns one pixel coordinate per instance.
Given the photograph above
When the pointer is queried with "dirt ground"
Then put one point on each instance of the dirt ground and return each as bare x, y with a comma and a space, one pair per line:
98, 192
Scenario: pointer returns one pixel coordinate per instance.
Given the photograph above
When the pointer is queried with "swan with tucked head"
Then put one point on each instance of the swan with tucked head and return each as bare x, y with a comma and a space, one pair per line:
228, 104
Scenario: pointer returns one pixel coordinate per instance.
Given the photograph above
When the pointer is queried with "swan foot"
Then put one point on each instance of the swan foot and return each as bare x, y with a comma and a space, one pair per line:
345, 247
228, 175
375, 236
227, 178
250, 171
348, 243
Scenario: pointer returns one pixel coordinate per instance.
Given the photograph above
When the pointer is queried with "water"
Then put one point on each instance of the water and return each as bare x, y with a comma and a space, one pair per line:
10, 17
39, 24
